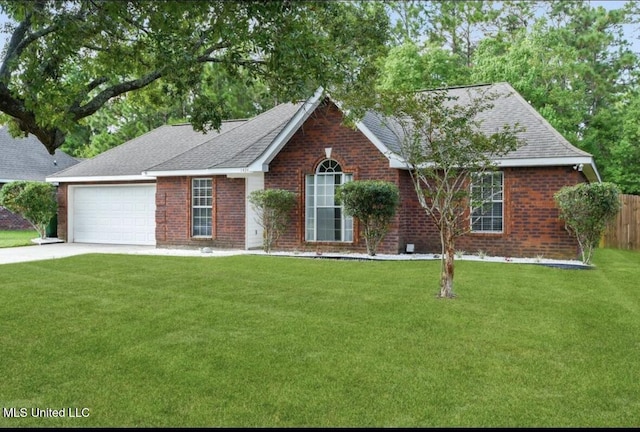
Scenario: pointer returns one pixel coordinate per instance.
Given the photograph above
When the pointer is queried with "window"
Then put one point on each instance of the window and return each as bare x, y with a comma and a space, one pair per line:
325, 220
201, 202
487, 195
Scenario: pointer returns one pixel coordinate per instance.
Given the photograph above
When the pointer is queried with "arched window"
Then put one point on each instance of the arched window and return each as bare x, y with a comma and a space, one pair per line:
325, 220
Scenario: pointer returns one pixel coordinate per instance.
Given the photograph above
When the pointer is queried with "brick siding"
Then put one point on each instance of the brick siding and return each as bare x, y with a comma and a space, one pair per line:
531, 219
173, 213
301, 156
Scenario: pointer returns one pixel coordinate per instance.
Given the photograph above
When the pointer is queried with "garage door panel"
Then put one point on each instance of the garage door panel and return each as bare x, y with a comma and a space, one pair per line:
114, 214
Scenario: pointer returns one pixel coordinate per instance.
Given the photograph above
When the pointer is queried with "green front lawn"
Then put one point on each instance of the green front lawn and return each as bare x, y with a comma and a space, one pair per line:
17, 238
276, 341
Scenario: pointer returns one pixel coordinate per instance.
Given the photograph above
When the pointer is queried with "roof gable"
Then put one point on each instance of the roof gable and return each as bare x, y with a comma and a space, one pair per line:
543, 144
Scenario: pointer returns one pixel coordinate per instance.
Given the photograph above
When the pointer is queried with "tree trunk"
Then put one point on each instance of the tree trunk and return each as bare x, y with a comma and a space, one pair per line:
447, 268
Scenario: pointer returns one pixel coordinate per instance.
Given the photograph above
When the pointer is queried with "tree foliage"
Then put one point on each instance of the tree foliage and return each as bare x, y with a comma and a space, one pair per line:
131, 115
374, 204
34, 201
65, 60
273, 208
586, 209
443, 146
570, 59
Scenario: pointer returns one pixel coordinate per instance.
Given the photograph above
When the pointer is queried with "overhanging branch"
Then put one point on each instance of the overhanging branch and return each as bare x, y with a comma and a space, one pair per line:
80, 112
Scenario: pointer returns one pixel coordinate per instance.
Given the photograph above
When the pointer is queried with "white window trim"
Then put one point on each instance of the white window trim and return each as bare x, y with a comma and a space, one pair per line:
345, 177
193, 206
489, 201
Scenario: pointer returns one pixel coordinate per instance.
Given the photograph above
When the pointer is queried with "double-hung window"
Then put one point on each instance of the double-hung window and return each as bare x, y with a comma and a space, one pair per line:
487, 195
325, 219
201, 203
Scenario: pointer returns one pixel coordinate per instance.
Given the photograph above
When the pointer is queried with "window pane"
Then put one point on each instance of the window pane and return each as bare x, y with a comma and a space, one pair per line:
325, 220
202, 201
487, 216
326, 225
310, 206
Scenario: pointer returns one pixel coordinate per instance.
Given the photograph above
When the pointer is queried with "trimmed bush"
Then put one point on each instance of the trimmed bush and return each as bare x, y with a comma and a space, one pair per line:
273, 208
374, 204
586, 209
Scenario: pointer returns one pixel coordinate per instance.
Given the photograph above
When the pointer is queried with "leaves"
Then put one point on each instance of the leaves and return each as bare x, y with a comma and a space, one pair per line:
586, 210
272, 207
34, 201
443, 145
66, 60
374, 204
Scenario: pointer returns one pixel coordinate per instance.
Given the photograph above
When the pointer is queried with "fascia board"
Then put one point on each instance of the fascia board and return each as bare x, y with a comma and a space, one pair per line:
85, 179
200, 172
393, 158
589, 167
262, 163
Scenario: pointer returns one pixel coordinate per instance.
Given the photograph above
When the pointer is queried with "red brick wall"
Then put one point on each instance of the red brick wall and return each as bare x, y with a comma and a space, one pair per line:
531, 224
173, 213
302, 154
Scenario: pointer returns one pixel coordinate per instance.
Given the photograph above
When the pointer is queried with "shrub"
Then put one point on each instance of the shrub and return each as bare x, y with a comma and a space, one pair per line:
373, 203
34, 201
273, 207
586, 209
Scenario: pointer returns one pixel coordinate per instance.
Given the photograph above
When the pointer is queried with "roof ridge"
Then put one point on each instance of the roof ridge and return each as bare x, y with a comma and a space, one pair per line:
222, 121
462, 86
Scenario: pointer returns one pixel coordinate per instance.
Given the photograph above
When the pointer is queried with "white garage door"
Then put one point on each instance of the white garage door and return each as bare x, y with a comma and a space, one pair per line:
114, 214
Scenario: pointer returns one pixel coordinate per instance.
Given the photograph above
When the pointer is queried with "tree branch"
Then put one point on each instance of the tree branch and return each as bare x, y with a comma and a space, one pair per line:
80, 112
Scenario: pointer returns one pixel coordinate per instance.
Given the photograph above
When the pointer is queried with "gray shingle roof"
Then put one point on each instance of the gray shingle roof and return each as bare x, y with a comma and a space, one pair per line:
237, 148
242, 142
145, 151
541, 139
27, 159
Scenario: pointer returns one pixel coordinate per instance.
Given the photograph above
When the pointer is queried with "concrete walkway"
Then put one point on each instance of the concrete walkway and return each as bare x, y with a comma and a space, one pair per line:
63, 250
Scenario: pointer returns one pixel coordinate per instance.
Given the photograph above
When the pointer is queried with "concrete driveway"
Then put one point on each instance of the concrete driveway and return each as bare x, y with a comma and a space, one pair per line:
63, 250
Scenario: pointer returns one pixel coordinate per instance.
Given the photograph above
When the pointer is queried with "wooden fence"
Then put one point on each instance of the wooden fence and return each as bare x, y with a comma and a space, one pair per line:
624, 231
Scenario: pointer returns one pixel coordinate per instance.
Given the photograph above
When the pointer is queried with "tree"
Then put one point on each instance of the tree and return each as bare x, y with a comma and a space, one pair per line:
65, 60
587, 208
443, 147
409, 68
374, 204
129, 116
273, 208
624, 165
34, 201
574, 66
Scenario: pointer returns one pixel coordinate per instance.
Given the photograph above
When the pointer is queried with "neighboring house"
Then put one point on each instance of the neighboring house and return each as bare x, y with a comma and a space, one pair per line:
174, 187
26, 159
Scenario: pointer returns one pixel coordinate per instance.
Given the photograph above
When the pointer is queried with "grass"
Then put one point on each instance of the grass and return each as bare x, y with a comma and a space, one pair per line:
17, 238
282, 342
